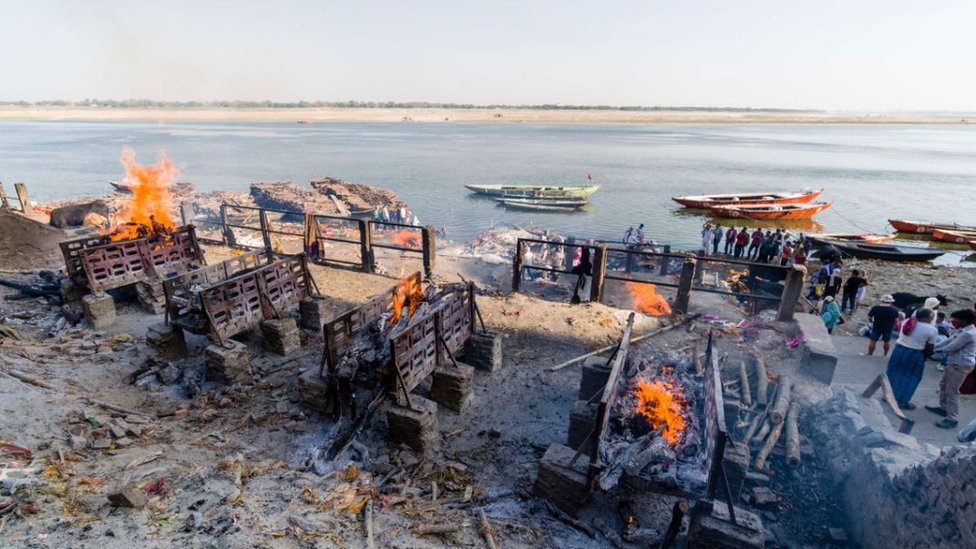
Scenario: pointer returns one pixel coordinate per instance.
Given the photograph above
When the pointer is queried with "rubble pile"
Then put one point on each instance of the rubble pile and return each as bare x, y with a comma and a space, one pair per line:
356, 196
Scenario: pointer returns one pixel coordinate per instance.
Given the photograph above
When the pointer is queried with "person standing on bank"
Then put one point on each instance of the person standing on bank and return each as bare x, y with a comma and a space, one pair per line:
883, 318
741, 241
907, 363
730, 239
851, 286
716, 238
961, 349
830, 314
755, 243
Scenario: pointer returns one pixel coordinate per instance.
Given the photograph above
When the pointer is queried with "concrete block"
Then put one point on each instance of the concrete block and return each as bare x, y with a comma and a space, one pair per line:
582, 420
563, 484
416, 425
128, 496
281, 336
99, 310
593, 377
313, 313
230, 363
484, 350
168, 341
819, 356
714, 529
451, 387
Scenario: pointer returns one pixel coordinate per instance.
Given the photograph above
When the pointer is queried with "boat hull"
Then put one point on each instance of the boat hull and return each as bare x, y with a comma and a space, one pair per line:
534, 191
751, 199
566, 202
533, 206
886, 252
771, 213
955, 237
822, 238
925, 227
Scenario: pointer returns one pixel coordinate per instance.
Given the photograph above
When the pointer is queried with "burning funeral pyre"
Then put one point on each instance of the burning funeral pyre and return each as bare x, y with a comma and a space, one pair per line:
647, 300
148, 212
653, 435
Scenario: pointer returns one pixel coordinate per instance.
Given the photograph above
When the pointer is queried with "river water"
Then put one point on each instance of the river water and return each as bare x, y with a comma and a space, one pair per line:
870, 172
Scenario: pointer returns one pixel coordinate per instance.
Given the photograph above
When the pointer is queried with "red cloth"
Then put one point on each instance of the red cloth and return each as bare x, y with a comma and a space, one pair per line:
968, 386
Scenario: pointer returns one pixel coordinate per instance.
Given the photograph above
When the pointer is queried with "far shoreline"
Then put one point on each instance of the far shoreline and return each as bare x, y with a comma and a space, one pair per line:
462, 115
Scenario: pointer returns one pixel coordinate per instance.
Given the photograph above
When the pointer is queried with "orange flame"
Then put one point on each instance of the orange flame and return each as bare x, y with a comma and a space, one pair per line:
647, 300
408, 294
147, 212
407, 238
660, 402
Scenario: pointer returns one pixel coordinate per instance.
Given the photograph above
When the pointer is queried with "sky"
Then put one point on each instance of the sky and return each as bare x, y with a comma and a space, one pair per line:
837, 55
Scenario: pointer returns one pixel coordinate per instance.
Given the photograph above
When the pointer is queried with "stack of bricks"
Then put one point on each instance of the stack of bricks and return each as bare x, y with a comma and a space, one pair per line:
313, 312
228, 363
168, 341
451, 387
99, 310
281, 336
314, 391
562, 481
415, 425
151, 296
484, 350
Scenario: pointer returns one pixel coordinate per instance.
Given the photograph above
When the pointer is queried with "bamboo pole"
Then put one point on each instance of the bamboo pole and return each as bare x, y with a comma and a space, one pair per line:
744, 379
652, 333
793, 435
767, 448
782, 405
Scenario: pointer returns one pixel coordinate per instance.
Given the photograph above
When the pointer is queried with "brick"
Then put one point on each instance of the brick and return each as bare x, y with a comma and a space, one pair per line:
168, 341
229, 363
99, 310
416, 425
451, 387
563, 484
484, 351
128, 496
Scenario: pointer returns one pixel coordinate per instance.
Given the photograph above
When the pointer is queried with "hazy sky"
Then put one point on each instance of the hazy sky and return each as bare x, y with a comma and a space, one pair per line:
852, 54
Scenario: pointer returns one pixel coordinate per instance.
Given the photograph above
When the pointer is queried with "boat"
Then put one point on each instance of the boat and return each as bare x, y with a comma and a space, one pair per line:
955, 237
575, 202
972, 244
540, 205
534, 191
120, 186
708, 200
925, 227
865, 238
885, 251
771, 211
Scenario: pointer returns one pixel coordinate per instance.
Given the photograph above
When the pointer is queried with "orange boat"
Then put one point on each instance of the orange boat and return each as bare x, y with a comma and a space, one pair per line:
972, 244
865, 238
956, 237
708, 200
926, 227
772, 211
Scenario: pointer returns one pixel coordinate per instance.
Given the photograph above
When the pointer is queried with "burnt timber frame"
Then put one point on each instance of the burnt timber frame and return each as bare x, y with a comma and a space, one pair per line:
716, 434
210, 275
105, 266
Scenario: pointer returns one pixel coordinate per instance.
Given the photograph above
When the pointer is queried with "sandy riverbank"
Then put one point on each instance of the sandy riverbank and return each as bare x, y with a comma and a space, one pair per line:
580, 116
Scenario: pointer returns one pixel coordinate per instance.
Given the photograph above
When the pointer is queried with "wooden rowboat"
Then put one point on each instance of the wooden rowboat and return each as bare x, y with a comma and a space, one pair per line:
773, 211
865, 238
539, 205
885, 251
534, 191
709, 200
925, 227
574, 202
956, 237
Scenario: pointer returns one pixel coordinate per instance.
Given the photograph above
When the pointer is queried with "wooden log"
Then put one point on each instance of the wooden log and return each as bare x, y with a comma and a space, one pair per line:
370, 544
782, 404
793, 435
28, 379
678, 513
762, 380
746, 390
760, 463
428, 529
763, 430
114, 408
486, 530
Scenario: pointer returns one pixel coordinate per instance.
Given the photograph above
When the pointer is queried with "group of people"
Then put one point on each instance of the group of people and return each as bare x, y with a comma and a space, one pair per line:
757, 245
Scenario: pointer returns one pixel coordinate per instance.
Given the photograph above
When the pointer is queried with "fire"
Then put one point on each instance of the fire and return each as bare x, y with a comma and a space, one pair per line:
147, 212
660, 402
407, 238
408, 294
647, 300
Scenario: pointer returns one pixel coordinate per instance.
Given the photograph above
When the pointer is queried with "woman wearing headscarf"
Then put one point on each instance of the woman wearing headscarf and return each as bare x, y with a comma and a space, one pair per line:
916, 340
830, 314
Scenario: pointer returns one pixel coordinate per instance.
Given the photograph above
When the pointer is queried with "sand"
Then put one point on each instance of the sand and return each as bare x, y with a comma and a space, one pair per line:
508, 115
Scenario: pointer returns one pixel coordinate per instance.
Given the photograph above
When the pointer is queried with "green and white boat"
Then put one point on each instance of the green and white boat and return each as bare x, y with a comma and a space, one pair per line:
534, 191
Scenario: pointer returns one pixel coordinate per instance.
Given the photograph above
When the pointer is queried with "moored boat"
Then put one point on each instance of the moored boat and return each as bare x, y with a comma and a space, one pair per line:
887, 252
925, 227
866, 238
955, 237
574, 202
708, 200
541, 205
771, 211
534, 191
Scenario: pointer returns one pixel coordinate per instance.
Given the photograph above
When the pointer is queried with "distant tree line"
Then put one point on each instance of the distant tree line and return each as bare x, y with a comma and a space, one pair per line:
148, 103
